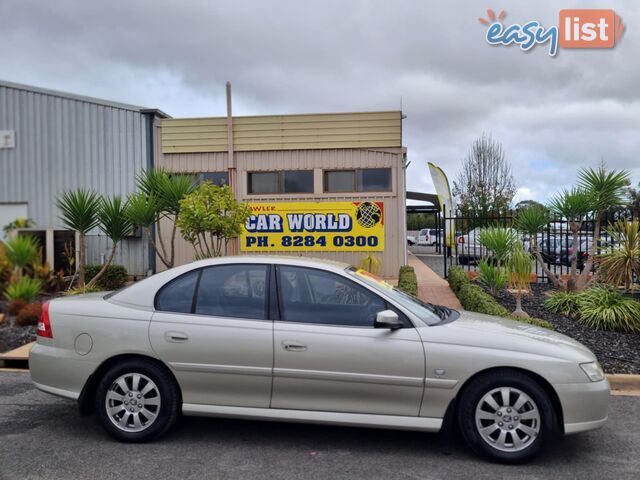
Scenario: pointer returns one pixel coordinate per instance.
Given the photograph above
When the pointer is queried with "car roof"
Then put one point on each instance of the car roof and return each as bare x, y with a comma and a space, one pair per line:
142, 294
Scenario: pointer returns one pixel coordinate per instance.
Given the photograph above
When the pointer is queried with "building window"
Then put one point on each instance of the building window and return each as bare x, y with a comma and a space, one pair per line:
217, 178
289, 181
340, 181
363, 180
374, 180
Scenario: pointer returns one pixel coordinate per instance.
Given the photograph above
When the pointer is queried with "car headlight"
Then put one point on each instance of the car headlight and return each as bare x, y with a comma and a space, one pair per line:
593, 371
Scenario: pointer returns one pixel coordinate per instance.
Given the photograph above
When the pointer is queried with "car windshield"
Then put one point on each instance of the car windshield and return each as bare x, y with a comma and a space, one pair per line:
430, 314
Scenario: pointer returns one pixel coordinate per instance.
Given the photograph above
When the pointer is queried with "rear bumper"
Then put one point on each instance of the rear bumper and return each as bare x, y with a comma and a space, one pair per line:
585, 406
57, 371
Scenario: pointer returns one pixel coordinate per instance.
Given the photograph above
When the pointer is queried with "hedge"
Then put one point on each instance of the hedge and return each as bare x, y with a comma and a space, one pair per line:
407, 280
114, 278
475, 299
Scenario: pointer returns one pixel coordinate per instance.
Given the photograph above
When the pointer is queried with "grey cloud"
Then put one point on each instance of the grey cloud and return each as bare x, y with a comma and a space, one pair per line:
294, 56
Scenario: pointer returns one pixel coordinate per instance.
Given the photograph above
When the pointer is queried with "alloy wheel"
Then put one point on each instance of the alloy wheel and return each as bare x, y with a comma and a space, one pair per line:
133, 402
507, 419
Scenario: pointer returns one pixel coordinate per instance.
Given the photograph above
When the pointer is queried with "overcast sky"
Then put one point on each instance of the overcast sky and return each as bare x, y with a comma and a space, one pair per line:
553, 115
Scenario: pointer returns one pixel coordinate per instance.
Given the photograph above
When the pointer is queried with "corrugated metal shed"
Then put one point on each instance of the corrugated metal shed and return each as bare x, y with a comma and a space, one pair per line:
65, 141
284, 132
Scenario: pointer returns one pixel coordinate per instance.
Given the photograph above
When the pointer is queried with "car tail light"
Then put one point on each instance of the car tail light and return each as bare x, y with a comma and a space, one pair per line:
44, 325
460, 239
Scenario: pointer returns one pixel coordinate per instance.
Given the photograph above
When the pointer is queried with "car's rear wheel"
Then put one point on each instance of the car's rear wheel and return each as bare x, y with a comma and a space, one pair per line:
137, 401
507, 416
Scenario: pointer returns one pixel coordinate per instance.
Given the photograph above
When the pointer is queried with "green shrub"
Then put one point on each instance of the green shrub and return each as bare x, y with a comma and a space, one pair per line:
602, 308
457, 278
564, 303
114, 278
474, 299
492, 276
25, 288
21, 251
407, 280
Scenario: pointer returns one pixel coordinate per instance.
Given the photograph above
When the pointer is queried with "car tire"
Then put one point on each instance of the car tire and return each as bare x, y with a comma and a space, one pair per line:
522, 426
137, 401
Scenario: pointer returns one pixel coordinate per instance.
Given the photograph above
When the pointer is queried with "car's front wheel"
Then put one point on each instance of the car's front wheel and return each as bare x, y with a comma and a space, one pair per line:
137, 401
507, 416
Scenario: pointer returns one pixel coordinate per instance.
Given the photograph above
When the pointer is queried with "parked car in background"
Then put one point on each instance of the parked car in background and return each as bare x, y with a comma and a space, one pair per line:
428, 237
411, 240
552, 248
470, 250
292, 339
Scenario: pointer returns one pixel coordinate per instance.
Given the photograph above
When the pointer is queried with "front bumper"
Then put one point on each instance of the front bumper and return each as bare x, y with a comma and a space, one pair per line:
585, 406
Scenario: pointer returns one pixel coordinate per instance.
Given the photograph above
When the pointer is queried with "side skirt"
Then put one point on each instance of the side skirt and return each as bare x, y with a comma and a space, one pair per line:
305, 416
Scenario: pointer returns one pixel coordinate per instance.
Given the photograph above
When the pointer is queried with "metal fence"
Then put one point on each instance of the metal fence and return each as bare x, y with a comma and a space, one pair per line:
554, 241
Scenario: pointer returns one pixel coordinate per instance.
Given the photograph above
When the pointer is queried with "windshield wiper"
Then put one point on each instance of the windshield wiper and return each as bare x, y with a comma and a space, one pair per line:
442, 312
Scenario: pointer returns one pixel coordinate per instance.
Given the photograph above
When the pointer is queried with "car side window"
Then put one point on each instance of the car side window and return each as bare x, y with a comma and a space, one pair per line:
177, 295
315, 296
233, 291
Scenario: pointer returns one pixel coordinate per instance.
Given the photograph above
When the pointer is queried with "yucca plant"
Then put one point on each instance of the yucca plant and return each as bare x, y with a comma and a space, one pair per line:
564, 303
606, 189
25, 288
493, 276
159, 197
499, 241
519, 267
622, 262
532, 220
21, 251
602, 308
574, 205
80, 213
114, 223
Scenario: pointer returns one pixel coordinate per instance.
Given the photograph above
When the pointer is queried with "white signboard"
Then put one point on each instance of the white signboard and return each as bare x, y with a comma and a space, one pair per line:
7, 138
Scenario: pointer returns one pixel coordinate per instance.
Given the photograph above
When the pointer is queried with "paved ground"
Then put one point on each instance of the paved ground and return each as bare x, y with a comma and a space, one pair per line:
430, 258
42, 437
432, 287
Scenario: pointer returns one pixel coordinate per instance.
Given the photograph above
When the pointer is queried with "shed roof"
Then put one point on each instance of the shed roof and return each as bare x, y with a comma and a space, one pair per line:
82, 98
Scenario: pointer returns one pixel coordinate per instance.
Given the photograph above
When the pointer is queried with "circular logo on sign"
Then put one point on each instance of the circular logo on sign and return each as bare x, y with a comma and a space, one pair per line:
368, 214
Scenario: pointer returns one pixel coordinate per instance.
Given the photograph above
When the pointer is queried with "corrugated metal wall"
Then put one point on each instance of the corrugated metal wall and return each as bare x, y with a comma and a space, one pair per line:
395, 242
64, 143
284, 132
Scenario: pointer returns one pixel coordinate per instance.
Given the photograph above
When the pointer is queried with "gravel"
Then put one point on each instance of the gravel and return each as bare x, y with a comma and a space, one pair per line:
618, 352
14, 337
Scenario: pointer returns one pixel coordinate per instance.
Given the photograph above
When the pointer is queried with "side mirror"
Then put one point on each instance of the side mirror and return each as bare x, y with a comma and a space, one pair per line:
387, 319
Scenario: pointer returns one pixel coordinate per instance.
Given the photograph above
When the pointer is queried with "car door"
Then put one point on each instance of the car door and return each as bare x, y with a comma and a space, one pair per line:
328, 355
211, 327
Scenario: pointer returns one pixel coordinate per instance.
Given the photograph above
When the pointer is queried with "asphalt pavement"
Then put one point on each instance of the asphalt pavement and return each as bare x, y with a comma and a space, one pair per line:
43, 437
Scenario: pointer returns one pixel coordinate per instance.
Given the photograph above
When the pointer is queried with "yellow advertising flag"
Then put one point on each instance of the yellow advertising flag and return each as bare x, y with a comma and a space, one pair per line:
314, 226
445, 198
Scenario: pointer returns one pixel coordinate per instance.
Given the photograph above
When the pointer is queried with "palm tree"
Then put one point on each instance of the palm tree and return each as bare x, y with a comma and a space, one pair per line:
159, 198
114, 222
607, 189
532, 220
574, 205
519, 266
80, 213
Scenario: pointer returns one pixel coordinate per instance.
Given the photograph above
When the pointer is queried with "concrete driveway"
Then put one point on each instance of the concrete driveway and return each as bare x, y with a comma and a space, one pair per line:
43, 437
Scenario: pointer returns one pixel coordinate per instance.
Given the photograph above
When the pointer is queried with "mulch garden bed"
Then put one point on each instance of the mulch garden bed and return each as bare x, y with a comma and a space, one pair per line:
618, 352
14, 337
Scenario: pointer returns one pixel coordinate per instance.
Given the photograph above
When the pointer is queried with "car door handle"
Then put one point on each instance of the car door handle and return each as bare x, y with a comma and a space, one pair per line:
176, 337
294, 346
